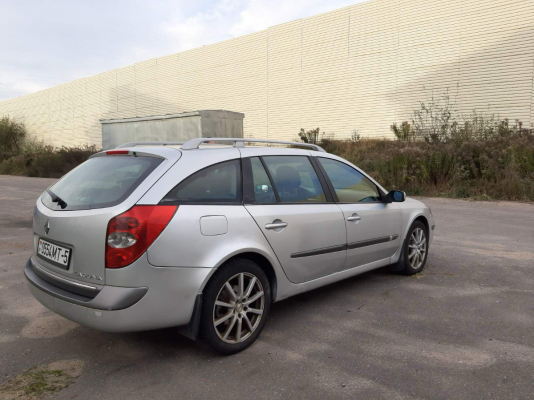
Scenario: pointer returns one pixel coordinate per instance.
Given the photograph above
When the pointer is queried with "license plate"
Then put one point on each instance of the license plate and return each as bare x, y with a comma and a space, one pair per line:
53, 252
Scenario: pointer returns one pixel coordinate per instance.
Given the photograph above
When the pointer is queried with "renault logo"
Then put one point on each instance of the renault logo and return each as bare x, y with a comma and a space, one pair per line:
47, 227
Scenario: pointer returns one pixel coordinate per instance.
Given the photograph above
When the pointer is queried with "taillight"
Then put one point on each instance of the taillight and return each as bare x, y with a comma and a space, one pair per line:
130, 234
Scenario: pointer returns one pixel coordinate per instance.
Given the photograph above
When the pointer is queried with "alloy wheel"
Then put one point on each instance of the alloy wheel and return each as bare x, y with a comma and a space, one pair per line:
238, 308
417, 248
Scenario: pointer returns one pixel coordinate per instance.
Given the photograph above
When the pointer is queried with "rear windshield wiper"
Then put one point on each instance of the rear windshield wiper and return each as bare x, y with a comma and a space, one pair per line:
57, 199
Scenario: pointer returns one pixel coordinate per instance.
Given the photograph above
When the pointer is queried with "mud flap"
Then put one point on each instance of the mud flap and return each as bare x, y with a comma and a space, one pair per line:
191, 329
399, 265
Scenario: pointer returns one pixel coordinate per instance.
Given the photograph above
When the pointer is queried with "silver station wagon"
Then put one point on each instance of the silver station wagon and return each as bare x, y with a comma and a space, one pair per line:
205, 235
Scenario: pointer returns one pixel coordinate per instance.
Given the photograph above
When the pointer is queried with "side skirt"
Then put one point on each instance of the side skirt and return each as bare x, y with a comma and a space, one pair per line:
294, 289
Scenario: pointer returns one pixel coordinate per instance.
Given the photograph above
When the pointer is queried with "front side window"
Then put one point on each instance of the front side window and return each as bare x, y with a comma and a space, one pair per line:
219, 183
295, 179
350, 185
101, 182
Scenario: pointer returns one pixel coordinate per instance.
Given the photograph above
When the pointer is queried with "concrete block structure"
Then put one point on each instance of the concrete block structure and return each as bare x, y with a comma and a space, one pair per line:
360, 67
172, 127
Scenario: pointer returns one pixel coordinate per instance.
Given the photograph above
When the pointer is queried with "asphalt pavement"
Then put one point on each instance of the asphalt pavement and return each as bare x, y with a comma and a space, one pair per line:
462, 329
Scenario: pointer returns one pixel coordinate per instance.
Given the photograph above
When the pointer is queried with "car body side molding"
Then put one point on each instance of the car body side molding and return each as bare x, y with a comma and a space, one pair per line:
341, 247
364, 243
316, 252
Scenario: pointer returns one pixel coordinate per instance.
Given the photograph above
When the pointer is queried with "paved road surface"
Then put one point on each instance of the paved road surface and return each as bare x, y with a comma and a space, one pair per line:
461, 329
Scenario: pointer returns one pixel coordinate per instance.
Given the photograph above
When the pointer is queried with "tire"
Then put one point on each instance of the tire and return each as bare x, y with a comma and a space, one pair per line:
407, 265
235, 322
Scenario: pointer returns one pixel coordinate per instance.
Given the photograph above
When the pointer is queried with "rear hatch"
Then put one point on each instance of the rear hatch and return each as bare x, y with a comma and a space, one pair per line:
71, 217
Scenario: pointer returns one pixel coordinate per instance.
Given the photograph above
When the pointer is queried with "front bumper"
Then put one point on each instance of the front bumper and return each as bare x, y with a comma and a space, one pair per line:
167, 300
432, 226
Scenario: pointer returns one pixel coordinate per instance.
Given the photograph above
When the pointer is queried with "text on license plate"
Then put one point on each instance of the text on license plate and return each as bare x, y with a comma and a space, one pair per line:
53, 252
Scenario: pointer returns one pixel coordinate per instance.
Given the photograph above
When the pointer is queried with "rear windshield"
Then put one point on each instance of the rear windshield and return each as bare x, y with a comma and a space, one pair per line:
100, 182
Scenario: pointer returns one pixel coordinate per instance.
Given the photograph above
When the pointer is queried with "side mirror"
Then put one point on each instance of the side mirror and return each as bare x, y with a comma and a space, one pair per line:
396, 196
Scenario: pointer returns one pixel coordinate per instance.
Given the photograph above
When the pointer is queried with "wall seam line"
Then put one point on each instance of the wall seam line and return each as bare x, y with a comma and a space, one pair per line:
531, 122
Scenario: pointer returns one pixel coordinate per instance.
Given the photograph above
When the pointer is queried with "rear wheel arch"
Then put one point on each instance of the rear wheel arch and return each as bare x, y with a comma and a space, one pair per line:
224, 317
191, 330
264, 264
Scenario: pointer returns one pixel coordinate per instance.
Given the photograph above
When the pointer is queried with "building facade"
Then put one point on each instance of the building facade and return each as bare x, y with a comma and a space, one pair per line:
362, 68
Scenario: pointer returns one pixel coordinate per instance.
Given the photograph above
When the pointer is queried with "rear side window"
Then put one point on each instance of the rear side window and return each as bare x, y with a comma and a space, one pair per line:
219, 183
101, 182
263, 191
295, 179
350, 185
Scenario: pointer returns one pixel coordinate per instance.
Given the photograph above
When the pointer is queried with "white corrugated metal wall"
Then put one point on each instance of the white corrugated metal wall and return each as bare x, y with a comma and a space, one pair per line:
360, 67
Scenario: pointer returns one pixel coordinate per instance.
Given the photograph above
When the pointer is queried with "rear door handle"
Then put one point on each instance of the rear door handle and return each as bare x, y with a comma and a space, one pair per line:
276, 225
354, 217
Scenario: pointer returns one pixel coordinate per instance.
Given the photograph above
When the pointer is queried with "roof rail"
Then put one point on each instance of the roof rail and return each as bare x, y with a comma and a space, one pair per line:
134, 144
240, 142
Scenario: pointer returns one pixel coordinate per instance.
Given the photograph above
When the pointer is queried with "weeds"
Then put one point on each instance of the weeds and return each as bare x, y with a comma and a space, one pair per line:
41, 382
440, 152
437, 121
501, 168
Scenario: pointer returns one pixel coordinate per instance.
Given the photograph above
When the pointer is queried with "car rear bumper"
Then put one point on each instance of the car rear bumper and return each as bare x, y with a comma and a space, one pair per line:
167, 301
107, 298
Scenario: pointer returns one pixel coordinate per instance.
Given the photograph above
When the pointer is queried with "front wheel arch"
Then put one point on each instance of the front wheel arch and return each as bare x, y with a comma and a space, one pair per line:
399, 266
423, 219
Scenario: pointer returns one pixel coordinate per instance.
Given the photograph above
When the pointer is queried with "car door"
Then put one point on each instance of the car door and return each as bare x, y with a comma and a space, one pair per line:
292, 206
373, 226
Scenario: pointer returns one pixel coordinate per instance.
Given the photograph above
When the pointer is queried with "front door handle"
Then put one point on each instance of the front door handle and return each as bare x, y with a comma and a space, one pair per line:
276, 225
354, 217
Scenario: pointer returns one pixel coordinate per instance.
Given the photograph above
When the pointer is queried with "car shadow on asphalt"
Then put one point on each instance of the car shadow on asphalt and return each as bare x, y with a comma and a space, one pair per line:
171, 344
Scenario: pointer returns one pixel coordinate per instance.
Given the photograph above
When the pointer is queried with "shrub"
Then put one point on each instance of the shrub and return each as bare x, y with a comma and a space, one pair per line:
404, 132
481, 156
311, 136
40, 160
500, 168
12, 135
440, 152
24, 155
438, 121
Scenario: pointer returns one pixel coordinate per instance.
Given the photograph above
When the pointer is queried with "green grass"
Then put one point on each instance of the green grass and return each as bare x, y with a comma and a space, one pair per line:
42, 382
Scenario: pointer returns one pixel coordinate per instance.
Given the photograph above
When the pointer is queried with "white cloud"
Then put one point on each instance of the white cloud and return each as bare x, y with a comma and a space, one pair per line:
261, 14
232, 18
13, 83
59, 40
196, 31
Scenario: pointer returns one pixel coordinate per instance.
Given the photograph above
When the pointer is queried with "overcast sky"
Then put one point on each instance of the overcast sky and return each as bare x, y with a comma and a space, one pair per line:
47, 42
